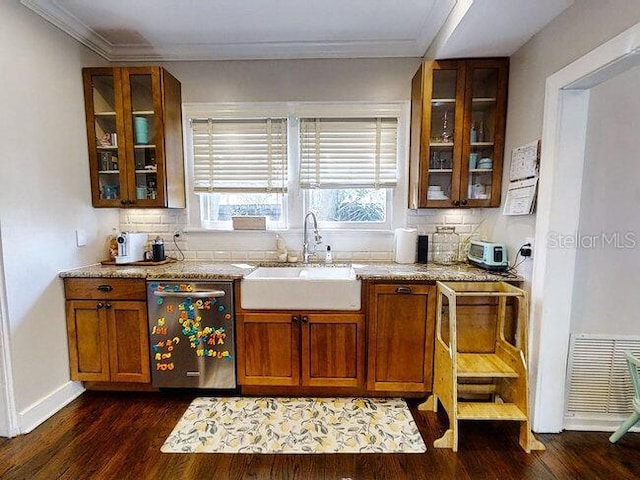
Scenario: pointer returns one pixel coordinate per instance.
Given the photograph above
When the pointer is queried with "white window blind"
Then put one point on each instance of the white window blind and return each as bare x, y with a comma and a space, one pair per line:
348, 152
239, 155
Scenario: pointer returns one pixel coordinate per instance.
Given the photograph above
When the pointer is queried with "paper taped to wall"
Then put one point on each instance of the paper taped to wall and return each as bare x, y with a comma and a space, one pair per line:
523, 185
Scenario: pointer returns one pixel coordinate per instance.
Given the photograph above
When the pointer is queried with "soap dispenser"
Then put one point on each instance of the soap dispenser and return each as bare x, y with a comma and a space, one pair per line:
328, 258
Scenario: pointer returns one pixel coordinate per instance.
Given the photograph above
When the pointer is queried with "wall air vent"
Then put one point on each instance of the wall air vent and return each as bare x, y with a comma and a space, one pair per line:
599, 388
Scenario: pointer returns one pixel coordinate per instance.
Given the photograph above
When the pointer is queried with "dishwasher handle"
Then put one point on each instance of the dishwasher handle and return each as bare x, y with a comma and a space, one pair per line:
201, 294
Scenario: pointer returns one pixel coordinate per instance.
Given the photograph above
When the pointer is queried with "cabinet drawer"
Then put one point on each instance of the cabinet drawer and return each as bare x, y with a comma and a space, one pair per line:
105, 289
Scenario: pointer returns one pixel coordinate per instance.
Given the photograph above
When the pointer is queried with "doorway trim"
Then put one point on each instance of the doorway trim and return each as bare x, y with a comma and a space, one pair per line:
566, 110
8, 415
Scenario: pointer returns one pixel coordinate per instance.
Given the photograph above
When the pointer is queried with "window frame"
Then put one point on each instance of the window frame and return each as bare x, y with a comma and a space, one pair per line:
296, 199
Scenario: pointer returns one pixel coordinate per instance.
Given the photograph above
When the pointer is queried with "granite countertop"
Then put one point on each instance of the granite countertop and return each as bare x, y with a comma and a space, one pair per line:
237, 270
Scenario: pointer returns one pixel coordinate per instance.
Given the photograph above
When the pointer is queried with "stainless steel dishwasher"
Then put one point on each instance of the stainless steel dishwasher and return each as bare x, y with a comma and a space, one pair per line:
191, 330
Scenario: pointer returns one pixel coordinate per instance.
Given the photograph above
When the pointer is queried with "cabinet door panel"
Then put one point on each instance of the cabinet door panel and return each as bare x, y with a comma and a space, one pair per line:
144, 129
268, 350
333, 350
484, 129
105, 135
401, 338
128, 342
88, 342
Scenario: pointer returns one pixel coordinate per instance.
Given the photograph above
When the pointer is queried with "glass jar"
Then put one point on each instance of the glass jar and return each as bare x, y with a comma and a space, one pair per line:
446, 245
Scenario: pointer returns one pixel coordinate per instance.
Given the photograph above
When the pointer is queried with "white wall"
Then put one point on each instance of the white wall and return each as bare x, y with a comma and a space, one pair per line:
607, 272
44, 197
380, 79
579, 29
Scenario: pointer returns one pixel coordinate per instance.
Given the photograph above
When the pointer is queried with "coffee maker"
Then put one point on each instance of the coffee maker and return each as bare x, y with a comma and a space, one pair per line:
130, 247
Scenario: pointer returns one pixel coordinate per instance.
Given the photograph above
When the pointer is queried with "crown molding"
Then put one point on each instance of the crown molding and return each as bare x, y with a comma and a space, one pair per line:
68, 23
267, 50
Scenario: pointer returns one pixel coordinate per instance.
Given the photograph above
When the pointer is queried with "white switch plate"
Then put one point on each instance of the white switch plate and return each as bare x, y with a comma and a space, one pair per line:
81, 237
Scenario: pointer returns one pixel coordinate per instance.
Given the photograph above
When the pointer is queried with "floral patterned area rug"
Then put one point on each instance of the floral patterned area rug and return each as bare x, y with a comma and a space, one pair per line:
295, 425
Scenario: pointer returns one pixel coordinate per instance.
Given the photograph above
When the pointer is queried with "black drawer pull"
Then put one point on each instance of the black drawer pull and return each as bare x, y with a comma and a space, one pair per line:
105, 288
403, 290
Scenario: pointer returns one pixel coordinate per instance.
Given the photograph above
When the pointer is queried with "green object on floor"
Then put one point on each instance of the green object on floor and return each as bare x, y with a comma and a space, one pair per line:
634, 365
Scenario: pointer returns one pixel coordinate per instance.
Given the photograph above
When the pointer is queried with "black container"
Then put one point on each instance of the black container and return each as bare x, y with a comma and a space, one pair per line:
158, 252
423, 248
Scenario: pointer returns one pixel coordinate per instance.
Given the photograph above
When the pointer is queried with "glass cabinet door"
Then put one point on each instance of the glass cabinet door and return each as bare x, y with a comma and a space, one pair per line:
142, 113
447, 87
104, 127
484, 132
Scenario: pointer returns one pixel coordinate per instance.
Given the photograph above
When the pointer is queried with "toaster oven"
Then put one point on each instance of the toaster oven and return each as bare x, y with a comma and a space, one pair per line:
488, 255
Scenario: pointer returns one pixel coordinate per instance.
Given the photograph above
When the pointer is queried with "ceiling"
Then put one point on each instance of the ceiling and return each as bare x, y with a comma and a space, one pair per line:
151, 30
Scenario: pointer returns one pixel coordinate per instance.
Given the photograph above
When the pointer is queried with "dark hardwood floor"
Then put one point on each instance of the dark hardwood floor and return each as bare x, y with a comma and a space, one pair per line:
119, 435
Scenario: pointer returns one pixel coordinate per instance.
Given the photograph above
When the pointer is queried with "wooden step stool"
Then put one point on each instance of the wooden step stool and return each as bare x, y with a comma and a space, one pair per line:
480, 354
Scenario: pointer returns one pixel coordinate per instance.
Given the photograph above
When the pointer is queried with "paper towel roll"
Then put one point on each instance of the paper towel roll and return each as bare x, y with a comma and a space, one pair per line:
405, 245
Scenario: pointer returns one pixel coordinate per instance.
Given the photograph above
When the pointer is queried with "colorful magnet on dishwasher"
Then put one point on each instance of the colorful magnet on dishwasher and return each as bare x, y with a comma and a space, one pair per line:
221, 308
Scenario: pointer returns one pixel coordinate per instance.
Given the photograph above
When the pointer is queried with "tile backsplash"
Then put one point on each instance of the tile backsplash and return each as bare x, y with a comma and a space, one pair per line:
260, 246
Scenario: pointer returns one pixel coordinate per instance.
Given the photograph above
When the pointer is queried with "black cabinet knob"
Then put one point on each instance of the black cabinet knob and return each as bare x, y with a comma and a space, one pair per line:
100, 305
463, 202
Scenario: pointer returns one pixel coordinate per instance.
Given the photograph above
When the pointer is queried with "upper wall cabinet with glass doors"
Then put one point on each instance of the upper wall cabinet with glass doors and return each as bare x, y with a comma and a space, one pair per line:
134, 131
458, 114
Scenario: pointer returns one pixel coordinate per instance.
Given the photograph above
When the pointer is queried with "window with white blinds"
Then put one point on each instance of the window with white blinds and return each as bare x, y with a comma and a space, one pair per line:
239, 155
348, 153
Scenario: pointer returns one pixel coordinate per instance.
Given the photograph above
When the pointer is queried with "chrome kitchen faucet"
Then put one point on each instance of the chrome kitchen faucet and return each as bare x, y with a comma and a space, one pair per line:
306, 253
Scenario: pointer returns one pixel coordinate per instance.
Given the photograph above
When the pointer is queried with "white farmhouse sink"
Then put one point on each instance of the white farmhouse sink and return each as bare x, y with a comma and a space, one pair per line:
301, 288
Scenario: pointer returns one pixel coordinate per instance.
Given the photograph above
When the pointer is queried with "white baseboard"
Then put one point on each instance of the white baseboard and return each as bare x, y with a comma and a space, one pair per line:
601, 424
38, 412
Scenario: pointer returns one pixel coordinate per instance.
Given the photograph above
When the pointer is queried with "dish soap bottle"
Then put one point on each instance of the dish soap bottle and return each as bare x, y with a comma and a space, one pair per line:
328, 258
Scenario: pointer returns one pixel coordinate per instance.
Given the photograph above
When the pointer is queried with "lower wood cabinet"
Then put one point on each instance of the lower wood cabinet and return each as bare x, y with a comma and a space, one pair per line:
107, 335
301, 349
401, 320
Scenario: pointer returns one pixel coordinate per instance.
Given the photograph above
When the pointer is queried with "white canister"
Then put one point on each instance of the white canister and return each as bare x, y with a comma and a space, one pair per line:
405, 245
